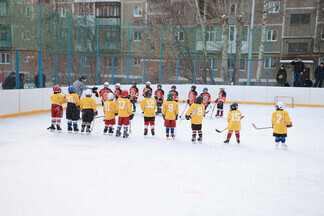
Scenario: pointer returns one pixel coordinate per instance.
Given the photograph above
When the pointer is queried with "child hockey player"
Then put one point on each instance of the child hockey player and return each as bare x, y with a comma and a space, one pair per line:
220, 102
89, 110
159, 97
147, 87
57, 110
280, 121
134, 95
196, 112
104, 92
125, 114
234, 123
72, 110
110, 111
174, 92
192, 95
148, 106
170, 112
206, 98
118, 91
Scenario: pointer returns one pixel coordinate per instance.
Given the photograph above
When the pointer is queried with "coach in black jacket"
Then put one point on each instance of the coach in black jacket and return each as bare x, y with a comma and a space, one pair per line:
298, 71
319, 76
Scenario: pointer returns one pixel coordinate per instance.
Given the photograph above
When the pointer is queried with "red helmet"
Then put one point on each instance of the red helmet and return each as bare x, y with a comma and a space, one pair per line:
56, 88
124, 93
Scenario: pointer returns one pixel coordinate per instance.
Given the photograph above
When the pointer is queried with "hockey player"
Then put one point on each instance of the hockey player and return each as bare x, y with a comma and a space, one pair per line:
159, 97
134, 95
118, 91
280, 121
234, 123
148, 106
206, 98
72, 110
170, 111
125, 114
104, 92
174, 92
192, 95
147, 87
89, 110
57, 100
196, 112
220, 102
110, 111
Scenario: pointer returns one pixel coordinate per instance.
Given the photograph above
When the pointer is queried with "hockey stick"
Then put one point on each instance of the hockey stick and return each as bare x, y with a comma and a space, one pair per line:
260, 128
92, 125
221, 131
99, 116
211, 115
130, 127
183, 111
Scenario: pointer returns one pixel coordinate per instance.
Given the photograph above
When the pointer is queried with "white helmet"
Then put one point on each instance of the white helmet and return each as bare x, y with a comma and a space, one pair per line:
106, 84
88, 93
110, 96
148, 83
280, 106
117, 85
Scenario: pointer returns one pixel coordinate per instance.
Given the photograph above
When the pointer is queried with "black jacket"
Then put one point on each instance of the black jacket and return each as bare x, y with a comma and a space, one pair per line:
9, 82
308, 83
298, 66
319, 73
284, 76
37, 83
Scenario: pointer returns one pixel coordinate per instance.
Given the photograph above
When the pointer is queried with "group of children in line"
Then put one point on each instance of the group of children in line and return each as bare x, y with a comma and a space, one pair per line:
122, 103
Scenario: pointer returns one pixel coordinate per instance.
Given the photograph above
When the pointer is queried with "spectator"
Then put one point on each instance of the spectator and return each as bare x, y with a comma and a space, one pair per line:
307, 82
286, 84
298, 71
37, 82
10, 81
319, 76
22, 80
282, 76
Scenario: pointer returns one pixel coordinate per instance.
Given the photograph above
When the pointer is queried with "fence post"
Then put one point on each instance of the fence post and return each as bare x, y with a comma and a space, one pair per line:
212, 72
40, 63
161, 43
144, 70
112, 69
69, 50
55, 69
268, 70
97, 82
177, 71
17, 70
231, 60
82, 63
195, 63
128, 38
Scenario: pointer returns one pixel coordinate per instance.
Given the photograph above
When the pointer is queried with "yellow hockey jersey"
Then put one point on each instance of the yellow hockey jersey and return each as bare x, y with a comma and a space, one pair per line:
234, 120
280, 120
197, 112
170, 110
124, 107
73, 98
58, 99
88, 103
110, 109
148, 106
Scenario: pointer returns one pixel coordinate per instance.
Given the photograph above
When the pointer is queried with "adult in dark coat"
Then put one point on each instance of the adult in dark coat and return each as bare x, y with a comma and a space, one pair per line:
22, 80
36, 80
10, 81
307, 82
319, 76
299, 68
282, 76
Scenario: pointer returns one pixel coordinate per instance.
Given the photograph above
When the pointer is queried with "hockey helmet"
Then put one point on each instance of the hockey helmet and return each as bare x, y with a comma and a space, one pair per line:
88, 93
170, 97
205, 90
110, 96
193, 88
148, 94
124, 93
234, 106
82, 77
57, 89
148, 83
117, 85
134, 83
221, 89
106, 84
199, 99
159, 86
280, 106
71, 89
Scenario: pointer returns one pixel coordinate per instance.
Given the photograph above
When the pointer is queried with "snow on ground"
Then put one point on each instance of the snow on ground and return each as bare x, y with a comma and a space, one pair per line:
52, 174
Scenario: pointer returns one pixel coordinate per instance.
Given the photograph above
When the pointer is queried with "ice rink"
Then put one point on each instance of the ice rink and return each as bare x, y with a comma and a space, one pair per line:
46, 173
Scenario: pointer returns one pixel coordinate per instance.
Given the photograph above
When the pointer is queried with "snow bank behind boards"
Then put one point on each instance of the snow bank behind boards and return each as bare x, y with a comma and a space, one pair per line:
28, 101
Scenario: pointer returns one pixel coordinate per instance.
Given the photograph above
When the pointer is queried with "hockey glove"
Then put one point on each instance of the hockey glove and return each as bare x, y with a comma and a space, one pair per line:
216, 101
94, 88
188, 117
95, 114
79, 108
163, 116
131, 117
188, 101
176, 117
116, 114
290, 125
155, 97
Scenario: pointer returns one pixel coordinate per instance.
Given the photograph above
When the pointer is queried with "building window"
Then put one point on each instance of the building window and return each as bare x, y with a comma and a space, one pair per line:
322, 34
137, 11
63, 12
137, 36
242, 65
3, 9
5, 58
137, 62
4, 35
26, 35
274, 7
27, 11
300, 19
108, 62
272, 61
298, 48
180, 36
232, 32
245, 33
272, 35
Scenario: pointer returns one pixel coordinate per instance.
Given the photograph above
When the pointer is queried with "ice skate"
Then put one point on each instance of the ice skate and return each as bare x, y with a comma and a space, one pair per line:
145, 132
70, 129
88, 131
82, 128
75, 129
51, 128
125, 135
153, 132
226, 141
193, 139
172, 135
238, 141
58, 128
118, 133
111, 131
105, 130
200, 138
284, 146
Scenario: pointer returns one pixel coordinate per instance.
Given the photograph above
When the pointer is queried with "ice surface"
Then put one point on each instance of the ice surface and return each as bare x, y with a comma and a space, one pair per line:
52, 174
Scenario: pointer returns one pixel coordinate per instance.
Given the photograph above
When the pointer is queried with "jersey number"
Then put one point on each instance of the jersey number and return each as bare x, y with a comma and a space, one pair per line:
121, 104
107, 106
150, 104
279, 116
200, 111
170, 107
235, 117
70, 99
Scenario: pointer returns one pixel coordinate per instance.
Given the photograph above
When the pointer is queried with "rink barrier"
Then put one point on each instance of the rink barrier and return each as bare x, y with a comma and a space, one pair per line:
34, 101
